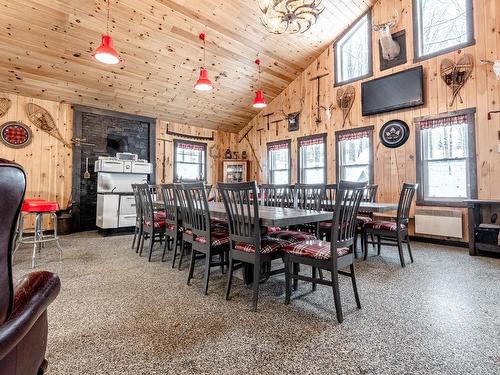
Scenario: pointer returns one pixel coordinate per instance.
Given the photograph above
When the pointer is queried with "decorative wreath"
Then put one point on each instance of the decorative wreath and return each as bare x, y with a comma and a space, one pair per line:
15, 134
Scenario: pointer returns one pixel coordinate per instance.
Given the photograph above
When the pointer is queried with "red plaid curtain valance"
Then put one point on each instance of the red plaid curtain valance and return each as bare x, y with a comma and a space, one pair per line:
278, 146
445, 121
312, 141
191, 146
354, 135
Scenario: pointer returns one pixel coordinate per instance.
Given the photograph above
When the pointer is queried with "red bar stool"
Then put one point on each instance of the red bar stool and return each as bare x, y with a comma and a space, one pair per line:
38, 207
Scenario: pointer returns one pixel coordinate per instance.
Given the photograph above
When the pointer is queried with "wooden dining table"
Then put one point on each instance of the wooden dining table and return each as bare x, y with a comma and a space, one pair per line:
279, 216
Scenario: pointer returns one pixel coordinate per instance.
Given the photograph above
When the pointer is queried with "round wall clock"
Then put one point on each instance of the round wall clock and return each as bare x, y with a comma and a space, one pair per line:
394, 133
15, 134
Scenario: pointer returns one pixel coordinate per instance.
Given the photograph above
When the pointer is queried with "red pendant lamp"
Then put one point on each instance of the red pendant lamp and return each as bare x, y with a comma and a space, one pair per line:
203, 83
105, 53
259, 101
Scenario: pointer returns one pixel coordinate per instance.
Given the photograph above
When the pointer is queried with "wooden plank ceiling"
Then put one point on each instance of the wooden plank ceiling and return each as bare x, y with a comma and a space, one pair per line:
46, 48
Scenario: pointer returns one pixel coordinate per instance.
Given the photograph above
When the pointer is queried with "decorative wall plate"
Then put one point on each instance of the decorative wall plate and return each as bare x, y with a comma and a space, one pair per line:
394, 133
5, 104
15, 134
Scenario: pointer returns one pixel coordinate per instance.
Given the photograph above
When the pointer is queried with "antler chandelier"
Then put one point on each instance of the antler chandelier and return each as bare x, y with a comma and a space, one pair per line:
289, 16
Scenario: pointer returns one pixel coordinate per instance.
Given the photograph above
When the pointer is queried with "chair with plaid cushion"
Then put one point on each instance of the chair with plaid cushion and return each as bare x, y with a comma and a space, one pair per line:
138, 218
331, 256
328, 204
394, 232
365, 217
208, 241
273, 195
153, 221
248, 246
173, 226
307, 197
186, 221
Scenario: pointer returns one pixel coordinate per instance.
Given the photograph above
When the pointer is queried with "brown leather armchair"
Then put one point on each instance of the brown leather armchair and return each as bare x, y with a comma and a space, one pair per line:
23, 305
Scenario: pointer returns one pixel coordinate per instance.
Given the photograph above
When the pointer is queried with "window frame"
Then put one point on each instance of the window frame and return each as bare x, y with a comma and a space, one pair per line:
471, 160
289, 146
416, 33
204, 145
371, 167
336, 63
305, 138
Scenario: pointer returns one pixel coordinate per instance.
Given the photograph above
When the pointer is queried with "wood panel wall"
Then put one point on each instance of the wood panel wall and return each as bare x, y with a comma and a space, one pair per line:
165, 147
395, 166
46, 161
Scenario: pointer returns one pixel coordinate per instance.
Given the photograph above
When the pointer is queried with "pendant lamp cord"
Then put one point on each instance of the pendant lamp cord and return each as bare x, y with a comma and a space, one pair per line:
107, 19
204, 49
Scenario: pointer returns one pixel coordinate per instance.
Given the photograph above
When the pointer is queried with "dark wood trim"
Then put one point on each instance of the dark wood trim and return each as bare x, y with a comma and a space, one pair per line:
299, 139
336, 83
107, 112
289, 143
416, 34
472, 167
174, 158
337, 149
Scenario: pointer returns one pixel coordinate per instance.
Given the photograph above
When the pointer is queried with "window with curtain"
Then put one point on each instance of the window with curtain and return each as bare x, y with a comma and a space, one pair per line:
446, 169
278, 156
190, 161
354, 155
312, 159
353, 57
442, 26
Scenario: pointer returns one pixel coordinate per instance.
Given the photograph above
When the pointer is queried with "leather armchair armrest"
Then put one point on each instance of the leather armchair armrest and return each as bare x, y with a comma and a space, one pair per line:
32, 295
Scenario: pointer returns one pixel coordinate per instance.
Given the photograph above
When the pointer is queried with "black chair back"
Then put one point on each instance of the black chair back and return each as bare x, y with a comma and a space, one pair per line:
242, 211
370, 193
330, 194
349, 195
276, 195
199, 213
146, 202
405, 199
138, 204
182, 203
309, 197
170, 204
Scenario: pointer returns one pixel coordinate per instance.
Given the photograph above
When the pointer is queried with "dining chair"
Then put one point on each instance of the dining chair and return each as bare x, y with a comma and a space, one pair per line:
248, 246
153, 221
272, 195
309, 197
208, 240
364, 217
186, 219
394, 232
332, 256
138, 218
173, 226
328, 204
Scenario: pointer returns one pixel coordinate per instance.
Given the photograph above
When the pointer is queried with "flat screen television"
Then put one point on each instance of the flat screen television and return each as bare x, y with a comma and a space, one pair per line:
396, 91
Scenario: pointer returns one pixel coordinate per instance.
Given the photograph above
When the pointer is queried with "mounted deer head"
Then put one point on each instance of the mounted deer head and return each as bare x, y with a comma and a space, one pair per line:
328, 110
390, 48
496, 66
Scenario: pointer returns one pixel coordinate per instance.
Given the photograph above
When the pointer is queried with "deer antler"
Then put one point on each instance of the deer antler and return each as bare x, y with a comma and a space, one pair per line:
390, 24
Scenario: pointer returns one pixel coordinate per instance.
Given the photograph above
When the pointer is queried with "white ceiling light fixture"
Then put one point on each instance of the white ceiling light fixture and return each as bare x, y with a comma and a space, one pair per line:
289, 16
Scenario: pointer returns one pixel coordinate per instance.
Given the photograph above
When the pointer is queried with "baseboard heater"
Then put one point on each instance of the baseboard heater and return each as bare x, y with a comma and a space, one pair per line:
446, 223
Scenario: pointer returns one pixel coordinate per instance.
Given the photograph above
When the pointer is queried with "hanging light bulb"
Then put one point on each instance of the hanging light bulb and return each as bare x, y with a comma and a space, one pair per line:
259, 101
203, 83
105, 53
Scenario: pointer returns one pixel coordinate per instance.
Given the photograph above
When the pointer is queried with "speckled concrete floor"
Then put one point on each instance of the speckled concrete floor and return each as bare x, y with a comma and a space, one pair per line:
119, 314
